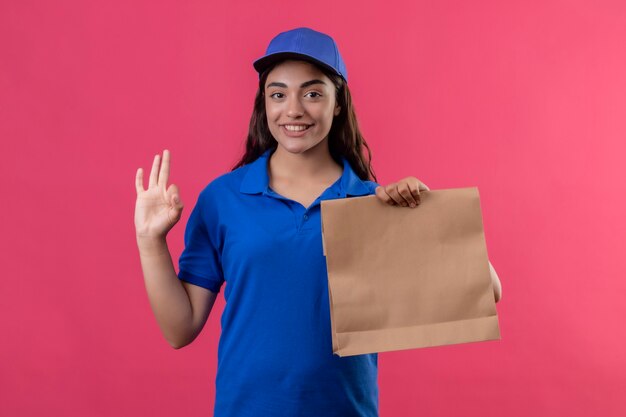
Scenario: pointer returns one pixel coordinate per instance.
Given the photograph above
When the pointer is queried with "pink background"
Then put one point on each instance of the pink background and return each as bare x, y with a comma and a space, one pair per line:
524, 99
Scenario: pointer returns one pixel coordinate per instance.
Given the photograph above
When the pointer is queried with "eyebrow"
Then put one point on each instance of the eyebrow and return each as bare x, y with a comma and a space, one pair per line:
303, 85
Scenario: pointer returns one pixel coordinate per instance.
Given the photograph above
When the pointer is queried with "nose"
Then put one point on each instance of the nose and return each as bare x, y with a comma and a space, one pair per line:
294, 107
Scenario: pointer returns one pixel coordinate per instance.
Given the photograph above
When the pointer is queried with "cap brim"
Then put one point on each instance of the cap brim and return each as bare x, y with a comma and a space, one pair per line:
263, 63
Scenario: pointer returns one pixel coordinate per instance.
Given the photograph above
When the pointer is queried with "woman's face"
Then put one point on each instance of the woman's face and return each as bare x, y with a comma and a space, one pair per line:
298, 95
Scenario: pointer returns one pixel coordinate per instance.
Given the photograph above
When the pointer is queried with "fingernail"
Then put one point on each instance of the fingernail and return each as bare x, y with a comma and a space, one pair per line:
412, 204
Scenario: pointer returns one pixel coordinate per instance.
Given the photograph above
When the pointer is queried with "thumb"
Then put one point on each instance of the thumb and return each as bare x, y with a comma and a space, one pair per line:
173, 196
176, 202
176, 208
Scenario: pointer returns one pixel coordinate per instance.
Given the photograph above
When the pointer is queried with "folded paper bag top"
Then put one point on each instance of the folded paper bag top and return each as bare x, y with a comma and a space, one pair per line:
403, 278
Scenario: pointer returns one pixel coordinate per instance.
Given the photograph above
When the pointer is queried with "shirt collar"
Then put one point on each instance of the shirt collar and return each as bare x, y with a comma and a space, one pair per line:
256, 179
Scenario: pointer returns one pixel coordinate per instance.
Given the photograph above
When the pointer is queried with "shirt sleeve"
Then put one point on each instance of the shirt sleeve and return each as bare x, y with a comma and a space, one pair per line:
200, 263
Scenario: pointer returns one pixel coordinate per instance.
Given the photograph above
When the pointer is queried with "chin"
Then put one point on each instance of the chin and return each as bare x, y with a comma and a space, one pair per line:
297, 148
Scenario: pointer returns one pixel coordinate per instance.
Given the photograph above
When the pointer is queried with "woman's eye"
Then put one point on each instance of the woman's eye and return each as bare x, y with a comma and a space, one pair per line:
281, 95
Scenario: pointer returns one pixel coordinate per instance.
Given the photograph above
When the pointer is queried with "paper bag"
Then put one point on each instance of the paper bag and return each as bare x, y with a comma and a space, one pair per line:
403, 278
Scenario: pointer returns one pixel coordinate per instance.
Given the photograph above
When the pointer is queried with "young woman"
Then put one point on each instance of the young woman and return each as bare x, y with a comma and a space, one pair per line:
258, 228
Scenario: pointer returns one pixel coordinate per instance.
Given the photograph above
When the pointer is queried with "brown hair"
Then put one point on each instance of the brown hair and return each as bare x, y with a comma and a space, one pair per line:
344, 138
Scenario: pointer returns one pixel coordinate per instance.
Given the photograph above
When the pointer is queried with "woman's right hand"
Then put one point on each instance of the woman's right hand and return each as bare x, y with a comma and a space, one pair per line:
158, 208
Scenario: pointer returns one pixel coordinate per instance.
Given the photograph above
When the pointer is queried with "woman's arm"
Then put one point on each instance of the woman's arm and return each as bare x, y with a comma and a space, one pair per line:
181, 309
497, 286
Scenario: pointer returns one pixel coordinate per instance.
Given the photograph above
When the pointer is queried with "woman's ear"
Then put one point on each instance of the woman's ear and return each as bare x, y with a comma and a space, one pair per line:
337, 110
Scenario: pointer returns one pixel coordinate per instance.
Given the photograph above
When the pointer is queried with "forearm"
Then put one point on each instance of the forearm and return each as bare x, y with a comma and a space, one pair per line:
497, 286
168, 298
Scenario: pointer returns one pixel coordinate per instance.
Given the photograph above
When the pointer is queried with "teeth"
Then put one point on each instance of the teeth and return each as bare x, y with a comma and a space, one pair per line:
296, 128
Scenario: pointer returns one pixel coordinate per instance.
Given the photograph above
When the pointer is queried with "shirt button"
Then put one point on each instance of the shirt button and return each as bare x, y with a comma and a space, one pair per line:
305, 217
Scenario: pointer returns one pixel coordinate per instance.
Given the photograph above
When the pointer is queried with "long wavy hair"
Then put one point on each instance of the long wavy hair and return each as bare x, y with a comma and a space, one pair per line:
344, 139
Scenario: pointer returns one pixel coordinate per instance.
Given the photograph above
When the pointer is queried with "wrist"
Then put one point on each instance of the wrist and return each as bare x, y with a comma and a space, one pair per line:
150, 244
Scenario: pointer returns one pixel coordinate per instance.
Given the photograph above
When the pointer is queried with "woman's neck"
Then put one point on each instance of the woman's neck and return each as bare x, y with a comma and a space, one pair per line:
316, 164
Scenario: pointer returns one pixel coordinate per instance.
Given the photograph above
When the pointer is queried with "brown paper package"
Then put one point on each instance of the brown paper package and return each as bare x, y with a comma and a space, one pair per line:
403, 278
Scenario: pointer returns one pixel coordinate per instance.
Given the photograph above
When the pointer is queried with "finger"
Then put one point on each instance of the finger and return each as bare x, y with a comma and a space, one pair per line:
173, 198
423, 187
164, 173
415, 190
382, 195
172, 194
154, 173
139, 181
407, 195
392, 191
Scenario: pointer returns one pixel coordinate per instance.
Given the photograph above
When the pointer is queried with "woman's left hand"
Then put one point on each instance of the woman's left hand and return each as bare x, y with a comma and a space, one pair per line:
405, 192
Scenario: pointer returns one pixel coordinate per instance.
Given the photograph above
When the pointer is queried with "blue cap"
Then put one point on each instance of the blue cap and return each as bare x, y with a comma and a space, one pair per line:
306, 44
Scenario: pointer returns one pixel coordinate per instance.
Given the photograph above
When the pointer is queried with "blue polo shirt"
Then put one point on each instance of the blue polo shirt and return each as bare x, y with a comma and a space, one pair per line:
275, 350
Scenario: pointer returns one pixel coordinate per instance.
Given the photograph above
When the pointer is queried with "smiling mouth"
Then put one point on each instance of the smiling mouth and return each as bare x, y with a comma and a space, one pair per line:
296, 128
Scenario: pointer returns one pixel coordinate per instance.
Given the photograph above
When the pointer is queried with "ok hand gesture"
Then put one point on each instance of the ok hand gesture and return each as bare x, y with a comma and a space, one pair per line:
158, 208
